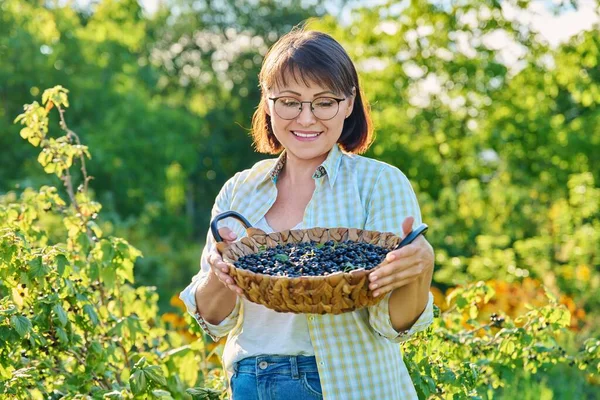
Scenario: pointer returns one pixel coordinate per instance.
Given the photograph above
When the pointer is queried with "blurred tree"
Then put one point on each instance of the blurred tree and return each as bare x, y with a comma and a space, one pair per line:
493, 126
165, 102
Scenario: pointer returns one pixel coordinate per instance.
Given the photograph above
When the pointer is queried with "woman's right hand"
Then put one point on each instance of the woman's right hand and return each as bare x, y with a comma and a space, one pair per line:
219, 268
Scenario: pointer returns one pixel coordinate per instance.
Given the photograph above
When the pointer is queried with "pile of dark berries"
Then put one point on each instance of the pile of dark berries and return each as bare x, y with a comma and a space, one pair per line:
313, 259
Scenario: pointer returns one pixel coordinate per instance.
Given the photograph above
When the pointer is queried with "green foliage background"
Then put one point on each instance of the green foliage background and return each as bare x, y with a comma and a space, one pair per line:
503, 158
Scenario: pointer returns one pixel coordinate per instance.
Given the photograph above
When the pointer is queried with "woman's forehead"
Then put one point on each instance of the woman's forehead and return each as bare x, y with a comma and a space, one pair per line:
299, 84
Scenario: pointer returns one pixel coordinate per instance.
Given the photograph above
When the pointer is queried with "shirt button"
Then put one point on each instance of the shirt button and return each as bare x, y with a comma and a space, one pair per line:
311, 318
321, 363
263, 365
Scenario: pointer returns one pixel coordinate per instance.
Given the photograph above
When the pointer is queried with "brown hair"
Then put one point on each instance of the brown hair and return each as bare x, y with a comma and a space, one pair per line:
313, 57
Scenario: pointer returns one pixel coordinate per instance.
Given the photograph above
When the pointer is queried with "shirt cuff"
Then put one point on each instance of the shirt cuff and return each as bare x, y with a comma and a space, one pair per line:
381, 322
188, 296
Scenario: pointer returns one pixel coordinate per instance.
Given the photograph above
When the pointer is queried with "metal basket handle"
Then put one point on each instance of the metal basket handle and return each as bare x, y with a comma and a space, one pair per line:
214, 228
412, 235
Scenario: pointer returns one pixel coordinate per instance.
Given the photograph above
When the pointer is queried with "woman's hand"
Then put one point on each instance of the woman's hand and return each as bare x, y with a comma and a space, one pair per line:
403, 266
219, 268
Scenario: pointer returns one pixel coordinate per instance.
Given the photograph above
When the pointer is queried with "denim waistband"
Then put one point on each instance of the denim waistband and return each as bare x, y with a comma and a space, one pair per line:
281, 365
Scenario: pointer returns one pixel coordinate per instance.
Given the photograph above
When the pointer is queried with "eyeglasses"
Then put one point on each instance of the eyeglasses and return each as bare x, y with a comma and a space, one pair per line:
323, 108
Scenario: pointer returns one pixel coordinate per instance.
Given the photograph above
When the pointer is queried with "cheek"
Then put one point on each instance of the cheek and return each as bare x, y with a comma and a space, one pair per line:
336, 126
279, 127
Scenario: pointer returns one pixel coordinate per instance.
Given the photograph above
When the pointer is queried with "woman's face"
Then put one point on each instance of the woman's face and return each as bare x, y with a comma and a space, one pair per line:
307, 137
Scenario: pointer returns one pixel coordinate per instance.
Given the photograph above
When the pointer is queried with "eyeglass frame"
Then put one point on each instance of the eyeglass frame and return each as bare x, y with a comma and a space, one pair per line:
312, 110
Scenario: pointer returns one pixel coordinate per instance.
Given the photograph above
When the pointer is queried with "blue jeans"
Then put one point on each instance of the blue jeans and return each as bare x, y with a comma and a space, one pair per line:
276, 378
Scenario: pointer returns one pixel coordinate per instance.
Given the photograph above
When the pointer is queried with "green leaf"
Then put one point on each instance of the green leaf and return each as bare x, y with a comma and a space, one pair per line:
281, 257
141, 363
21, 324
162, 394
200, 393
89, 310
115, 394
134, 326
473, 312
61, 265
95, 347
62, 335
108, 276
138, 382
155, 374
9, 311
37, 268
507, 347
461, 302
95, 228
61, 314
349, 266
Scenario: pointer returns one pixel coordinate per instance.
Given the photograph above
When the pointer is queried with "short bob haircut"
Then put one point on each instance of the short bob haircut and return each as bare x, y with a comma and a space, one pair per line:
312, 57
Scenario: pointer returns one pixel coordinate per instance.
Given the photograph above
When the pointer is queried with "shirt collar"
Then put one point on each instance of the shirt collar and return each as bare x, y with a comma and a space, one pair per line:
328, 168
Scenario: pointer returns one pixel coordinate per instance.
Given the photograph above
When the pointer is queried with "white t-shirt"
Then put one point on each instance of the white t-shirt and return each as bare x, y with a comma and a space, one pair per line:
265, 331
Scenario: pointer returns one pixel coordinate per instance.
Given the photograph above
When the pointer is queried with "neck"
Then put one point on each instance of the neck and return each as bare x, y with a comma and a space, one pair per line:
299, 172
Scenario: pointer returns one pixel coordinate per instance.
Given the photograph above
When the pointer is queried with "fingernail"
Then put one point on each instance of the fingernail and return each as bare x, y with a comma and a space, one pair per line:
373, 278
232, 235
375, 294
390, 257
373, 287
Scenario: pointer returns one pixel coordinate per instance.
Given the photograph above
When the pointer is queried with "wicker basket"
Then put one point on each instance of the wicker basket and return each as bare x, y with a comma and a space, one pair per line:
331, 294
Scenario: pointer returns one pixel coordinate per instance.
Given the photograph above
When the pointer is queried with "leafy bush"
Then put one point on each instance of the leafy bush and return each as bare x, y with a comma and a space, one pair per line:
71, 320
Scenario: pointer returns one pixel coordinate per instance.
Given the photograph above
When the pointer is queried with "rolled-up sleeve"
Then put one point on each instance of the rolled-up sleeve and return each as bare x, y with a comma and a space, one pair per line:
392, 200
188, 295
380, 321
214, 331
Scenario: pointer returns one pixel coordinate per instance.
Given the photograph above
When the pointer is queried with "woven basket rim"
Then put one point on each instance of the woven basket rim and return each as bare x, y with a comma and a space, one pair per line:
354, 273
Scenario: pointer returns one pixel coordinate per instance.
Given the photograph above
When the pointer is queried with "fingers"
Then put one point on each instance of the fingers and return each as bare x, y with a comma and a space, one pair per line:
227, 234
228, 281
396, 274
396, 270
221, 270
404, 252
407, 225
394, 285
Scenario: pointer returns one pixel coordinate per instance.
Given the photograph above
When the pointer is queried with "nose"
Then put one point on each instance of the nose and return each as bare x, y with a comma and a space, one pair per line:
306, 117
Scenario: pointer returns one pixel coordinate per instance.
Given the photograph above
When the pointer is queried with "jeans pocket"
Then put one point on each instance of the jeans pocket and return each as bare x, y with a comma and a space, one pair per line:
243, 387
312, 383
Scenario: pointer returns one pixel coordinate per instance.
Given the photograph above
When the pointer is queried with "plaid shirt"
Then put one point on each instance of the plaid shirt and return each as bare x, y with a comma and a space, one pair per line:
357, 353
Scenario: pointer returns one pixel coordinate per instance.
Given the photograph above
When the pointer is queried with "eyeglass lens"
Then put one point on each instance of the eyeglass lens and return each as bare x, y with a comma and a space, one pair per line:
323, 107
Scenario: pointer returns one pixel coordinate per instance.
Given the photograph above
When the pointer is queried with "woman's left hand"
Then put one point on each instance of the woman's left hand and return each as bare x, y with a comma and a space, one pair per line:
403, 266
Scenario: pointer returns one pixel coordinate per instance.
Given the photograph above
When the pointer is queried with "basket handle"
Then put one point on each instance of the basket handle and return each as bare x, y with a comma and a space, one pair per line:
215, 230
421, 229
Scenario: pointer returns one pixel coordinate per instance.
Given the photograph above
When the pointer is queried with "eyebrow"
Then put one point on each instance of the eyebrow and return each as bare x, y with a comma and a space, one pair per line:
315, 95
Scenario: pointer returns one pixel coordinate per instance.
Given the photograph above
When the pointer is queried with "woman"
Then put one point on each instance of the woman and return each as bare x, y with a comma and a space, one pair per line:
313, 112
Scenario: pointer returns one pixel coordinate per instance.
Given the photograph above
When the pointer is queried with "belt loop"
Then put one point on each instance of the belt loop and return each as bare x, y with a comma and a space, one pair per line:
294, 364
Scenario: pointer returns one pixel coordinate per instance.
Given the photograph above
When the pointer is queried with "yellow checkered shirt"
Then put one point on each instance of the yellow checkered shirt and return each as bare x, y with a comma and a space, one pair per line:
358, 355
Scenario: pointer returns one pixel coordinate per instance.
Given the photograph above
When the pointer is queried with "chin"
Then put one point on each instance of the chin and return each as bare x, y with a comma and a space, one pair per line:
308, 153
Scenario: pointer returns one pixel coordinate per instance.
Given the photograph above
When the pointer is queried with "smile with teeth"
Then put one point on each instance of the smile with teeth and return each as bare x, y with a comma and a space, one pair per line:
306, 135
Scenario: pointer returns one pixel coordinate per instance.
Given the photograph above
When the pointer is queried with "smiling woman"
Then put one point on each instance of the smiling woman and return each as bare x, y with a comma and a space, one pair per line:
318, 70
313, 114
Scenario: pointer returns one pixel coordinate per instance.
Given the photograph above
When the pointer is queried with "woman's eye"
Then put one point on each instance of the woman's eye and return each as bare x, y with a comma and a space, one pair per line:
323, 103
290, 103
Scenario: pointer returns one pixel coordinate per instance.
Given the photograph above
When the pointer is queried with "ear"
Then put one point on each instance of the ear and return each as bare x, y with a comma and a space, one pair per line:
266, 106
351, 102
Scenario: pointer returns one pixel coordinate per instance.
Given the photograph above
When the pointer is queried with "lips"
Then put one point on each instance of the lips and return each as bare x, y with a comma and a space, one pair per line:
307, 135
